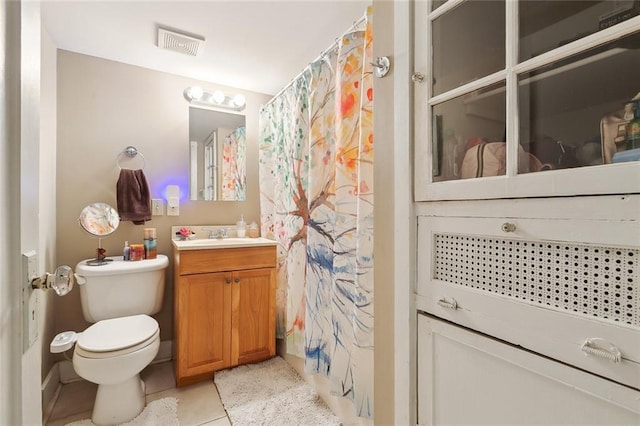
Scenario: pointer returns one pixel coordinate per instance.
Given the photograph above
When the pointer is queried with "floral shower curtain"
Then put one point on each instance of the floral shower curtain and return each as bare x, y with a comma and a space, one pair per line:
234, 165
316, 188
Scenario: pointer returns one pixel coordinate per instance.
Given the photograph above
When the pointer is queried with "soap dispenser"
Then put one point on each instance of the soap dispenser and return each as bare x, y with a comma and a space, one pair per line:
241, 227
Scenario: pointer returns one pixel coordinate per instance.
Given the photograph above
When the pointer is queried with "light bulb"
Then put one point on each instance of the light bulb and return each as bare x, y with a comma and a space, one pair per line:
195, 92
239, 100
218, 97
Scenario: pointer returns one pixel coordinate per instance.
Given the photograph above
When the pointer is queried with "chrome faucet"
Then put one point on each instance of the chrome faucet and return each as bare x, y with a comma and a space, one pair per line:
216, 233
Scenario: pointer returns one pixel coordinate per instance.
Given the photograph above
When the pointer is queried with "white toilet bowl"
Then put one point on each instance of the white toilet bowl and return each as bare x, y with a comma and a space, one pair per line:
112, 353
117, 296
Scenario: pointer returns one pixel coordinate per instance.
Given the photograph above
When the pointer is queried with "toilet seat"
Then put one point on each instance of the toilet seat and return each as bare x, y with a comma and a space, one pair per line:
117, 336
111, 354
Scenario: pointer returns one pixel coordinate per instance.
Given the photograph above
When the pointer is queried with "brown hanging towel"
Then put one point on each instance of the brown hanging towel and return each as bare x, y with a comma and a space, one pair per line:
132, 193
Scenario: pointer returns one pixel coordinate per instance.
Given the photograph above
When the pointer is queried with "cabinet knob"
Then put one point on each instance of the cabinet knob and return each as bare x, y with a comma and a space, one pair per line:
236, 280
417, 77
508, 227
227, 280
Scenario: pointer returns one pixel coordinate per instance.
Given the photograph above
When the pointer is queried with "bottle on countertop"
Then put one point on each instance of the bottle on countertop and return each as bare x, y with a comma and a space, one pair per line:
241, 227
125, 251
254, 231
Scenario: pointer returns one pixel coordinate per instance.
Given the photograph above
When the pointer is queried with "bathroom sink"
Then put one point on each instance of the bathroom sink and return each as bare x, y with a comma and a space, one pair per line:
205, 243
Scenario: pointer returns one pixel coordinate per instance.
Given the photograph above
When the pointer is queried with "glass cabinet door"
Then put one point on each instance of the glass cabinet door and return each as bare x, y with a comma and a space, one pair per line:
526, 98
579, 111
468, 43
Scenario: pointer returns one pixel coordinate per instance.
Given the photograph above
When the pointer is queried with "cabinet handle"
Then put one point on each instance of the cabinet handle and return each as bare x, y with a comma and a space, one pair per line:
236, 280
417, 77
601, 348
508, 227
227, 280
450, 304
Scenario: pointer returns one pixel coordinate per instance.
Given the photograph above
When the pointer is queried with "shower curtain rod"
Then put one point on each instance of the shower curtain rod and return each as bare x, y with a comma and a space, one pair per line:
322, 54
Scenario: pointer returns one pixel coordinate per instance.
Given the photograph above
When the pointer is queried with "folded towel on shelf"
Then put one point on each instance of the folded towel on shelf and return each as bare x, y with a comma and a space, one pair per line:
132, 194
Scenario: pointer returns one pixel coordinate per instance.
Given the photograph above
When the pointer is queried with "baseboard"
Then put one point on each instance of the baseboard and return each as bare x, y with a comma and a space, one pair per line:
165, 353
68, 374
51, 387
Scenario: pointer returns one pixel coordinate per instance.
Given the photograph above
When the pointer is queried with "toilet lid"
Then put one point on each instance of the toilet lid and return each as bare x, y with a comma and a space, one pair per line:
117, 333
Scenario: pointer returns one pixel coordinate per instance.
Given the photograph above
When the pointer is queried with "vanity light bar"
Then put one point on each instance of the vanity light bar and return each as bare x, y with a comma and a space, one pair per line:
197, 96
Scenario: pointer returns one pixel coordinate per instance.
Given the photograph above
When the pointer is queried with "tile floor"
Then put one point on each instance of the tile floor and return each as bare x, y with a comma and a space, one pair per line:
198, 404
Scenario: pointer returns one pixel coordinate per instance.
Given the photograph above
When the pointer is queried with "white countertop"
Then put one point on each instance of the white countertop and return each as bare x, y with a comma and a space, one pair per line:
233, 242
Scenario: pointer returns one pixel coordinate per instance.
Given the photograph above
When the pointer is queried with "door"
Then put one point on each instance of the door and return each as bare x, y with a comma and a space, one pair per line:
211, 168
253, 316
204, 329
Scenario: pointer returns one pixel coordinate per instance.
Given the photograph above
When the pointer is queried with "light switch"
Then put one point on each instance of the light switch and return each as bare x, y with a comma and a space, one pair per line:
157, 207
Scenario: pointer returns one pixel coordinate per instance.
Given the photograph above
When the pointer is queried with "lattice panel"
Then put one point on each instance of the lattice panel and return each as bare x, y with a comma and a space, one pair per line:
591, 280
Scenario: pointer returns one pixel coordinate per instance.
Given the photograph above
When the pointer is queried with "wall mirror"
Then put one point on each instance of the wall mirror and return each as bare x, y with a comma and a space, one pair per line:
217, 155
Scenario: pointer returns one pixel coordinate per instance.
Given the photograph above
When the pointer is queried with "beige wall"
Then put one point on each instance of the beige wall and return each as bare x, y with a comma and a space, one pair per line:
383, 220
104, 106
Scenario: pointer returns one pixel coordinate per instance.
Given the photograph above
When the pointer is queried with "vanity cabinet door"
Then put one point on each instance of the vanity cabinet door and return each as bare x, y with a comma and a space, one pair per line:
253, 316
204, 329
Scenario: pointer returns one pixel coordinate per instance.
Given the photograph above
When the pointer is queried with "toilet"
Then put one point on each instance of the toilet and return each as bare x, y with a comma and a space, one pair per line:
118, 298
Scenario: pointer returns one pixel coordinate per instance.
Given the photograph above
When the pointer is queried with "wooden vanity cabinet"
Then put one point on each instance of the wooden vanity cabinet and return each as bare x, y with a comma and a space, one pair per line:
224, 309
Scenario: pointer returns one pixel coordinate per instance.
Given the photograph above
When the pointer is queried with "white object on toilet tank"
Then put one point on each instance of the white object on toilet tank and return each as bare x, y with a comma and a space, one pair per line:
120, 288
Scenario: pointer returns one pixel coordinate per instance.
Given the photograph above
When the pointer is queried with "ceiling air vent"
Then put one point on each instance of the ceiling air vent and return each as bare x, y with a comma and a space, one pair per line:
182, 43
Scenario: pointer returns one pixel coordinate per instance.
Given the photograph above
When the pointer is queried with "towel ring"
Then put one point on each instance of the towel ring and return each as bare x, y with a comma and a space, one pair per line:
130, 152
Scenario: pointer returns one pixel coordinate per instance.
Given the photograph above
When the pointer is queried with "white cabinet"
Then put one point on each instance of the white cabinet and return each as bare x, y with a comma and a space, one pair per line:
527, 183
529, 311
537, 278
465, 377
520, 98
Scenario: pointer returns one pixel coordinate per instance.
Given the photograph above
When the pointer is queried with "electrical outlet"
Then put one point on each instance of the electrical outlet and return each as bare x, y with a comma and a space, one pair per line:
173, 210
173, 200
157, 207
29, 300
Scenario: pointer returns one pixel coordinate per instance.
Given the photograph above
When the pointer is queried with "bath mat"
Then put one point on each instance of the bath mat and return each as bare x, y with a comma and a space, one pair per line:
271, 393
159, 412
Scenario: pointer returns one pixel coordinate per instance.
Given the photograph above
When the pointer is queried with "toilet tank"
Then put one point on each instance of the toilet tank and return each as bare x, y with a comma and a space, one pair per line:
120, 288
